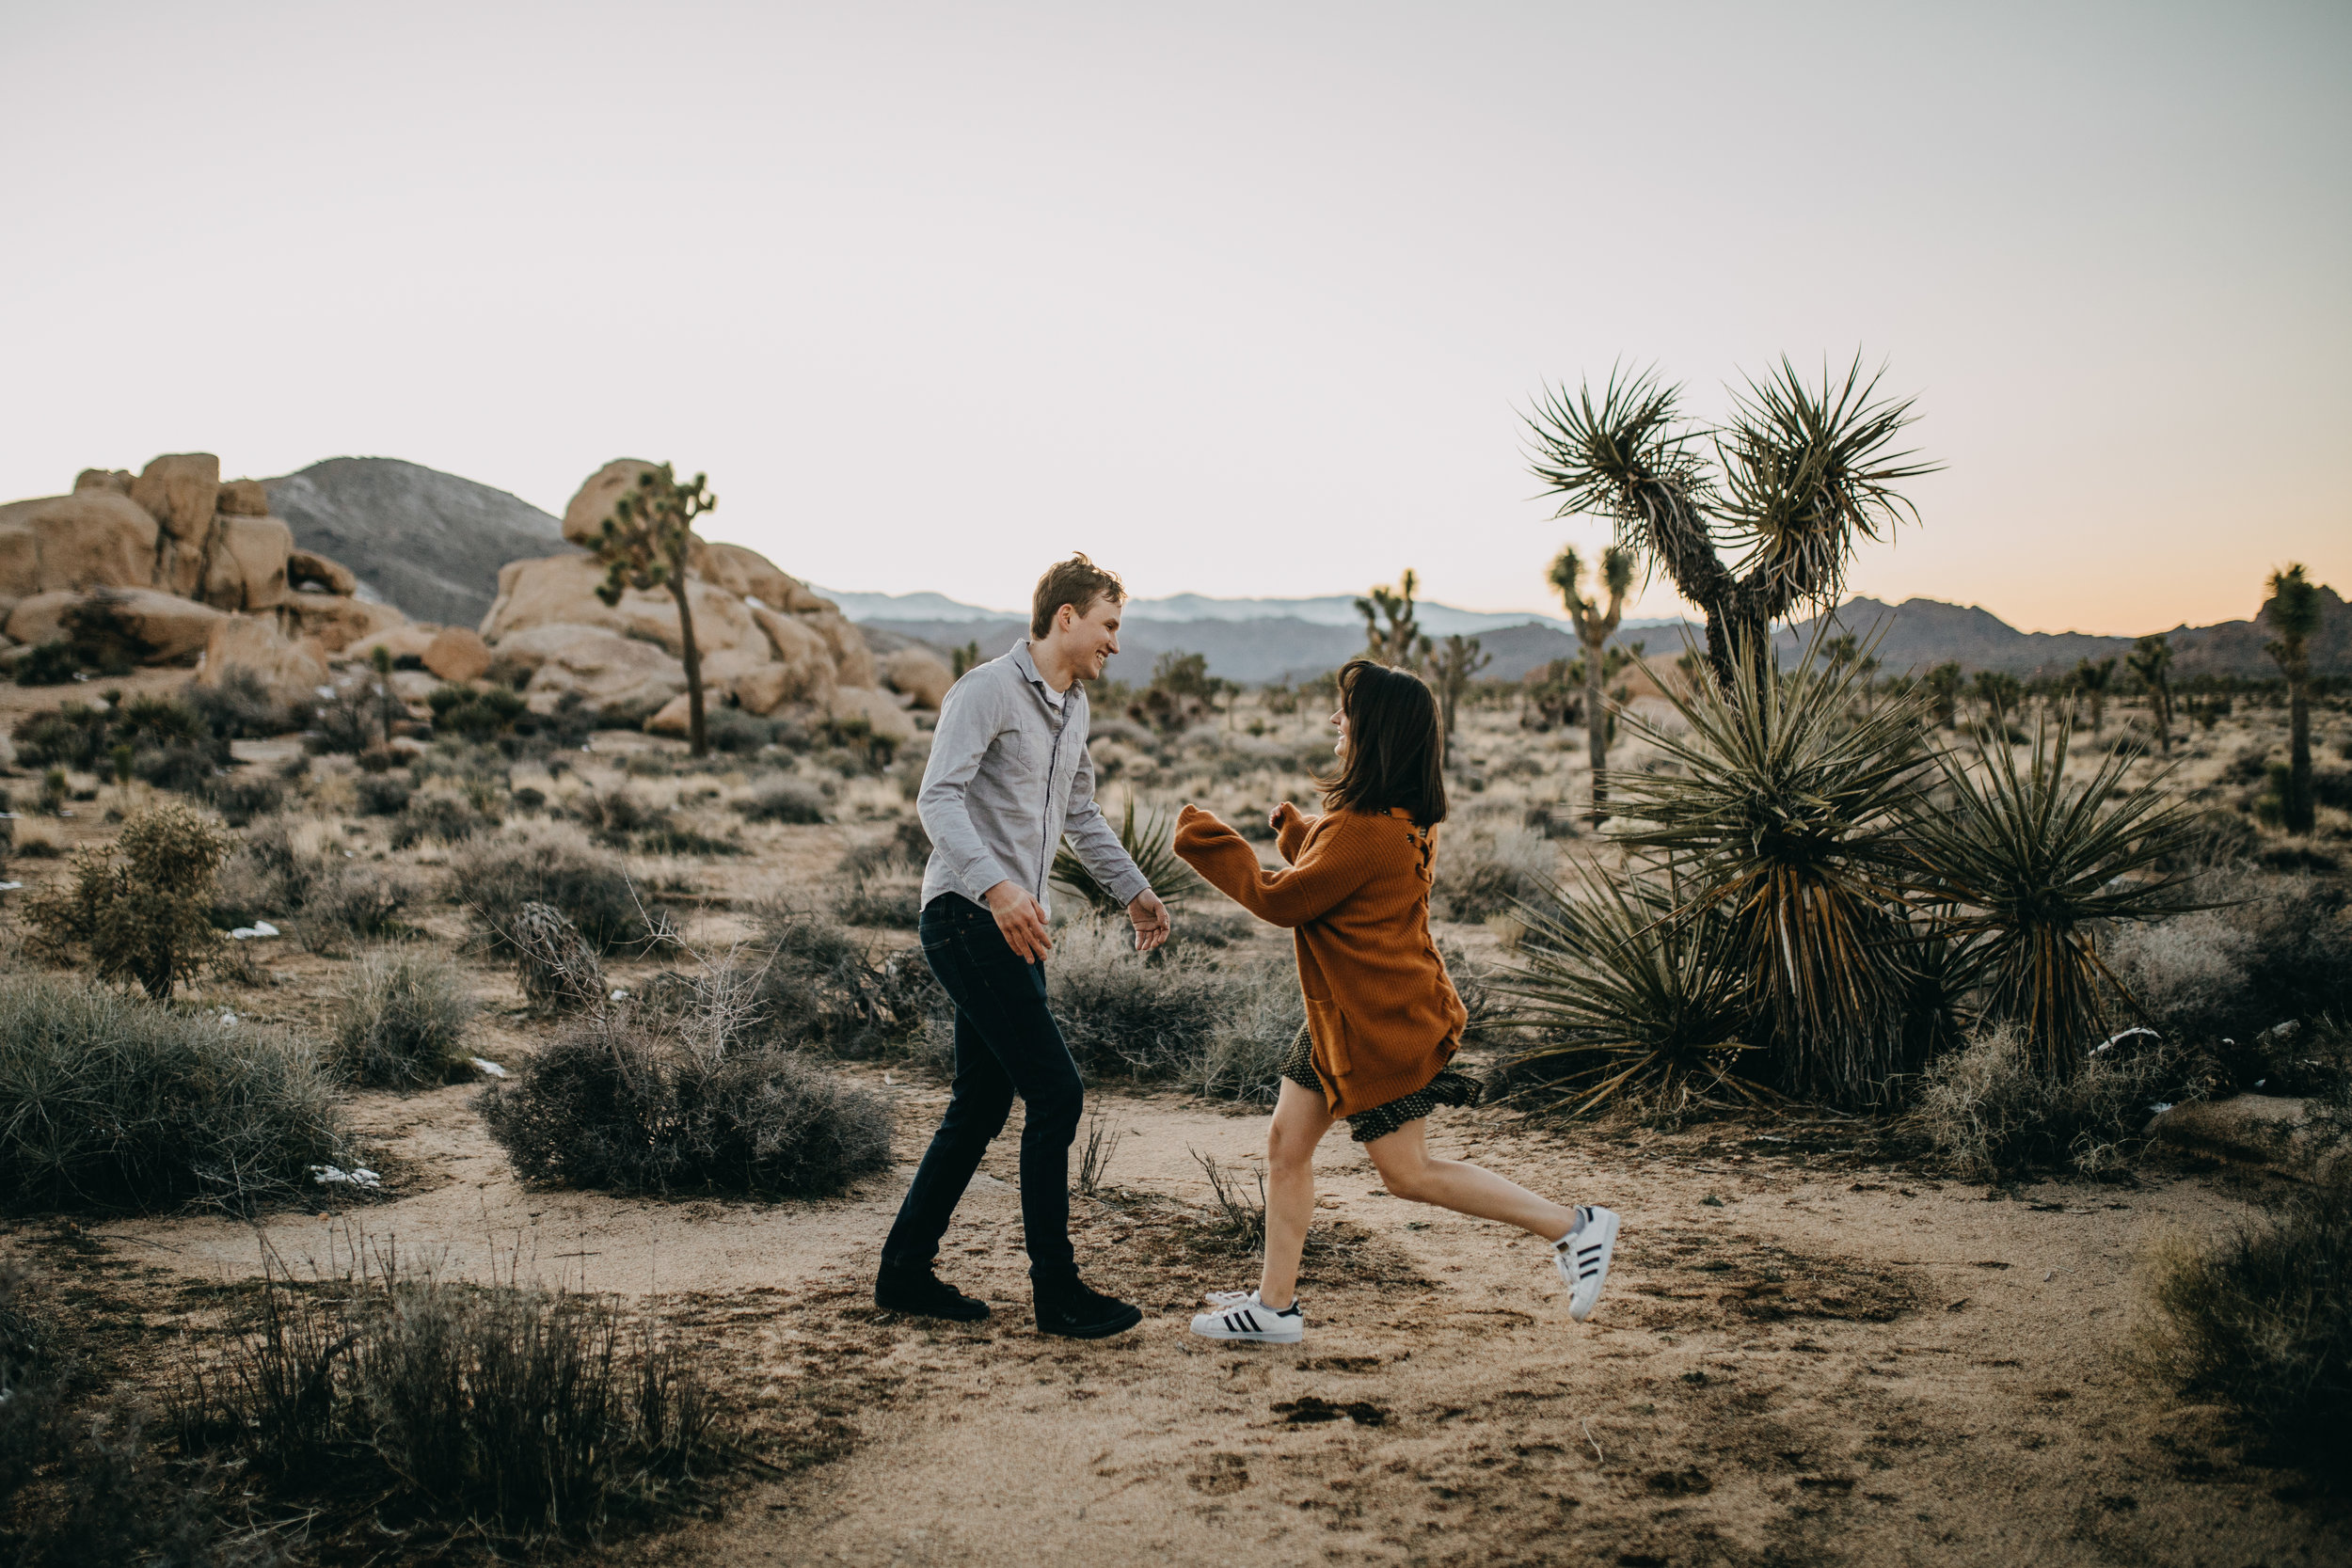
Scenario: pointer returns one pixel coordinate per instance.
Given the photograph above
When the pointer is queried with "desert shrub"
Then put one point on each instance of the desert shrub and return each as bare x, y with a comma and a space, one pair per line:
733, 730
242, 707
139, 905
2275, 947
459, 1413
907, 845
891, 898
2263, 1322
280, 872
1988, 1111
784, 800
557, 968
646, 1099
52, 663
475, 714
553, 863
817, 985
401, 1022
1487, 868
353, 716
382, 794
448, 819
107, 1103
239, 798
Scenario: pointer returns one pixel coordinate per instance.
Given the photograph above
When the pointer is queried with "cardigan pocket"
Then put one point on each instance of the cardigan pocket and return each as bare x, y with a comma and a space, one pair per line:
1329, 1026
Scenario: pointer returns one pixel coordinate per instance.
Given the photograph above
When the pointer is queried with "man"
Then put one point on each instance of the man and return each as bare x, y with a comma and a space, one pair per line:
1008, 777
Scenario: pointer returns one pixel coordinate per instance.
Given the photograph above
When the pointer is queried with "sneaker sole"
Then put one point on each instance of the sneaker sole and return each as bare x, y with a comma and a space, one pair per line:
1271, 1336
1103, 1330
1609, 1226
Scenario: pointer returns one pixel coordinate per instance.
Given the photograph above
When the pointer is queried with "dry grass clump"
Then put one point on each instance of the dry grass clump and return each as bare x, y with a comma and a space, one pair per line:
403, 1022
110, 1103
431, 1413
2264, 1323
816, 984
1987, 1111
555, 863
556, 967
291, 870
678, 1095
1488, 866
2278, 947
784, 800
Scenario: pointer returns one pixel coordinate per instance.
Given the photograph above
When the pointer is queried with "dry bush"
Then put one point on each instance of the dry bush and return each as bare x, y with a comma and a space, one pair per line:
1487, 865
556, 967
1989, 1112
441, 816
553, 862
287, 869
445, 1413
816, 984
784, 800
106, 1102
2262, 1323
139, 905
2277, 947
401, 1023
677, 1095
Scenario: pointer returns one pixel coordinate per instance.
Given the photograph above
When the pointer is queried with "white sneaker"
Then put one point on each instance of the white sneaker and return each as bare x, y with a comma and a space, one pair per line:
1582, 1257
1240, 1315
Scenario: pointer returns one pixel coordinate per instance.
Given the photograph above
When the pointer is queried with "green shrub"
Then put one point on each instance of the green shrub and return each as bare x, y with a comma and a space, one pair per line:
2262, 1323
139, 905
111, 1103
733, 730
49, 664
382, 794
1993, 1116
448, 1414
659, 1098
553, 863
403, 1022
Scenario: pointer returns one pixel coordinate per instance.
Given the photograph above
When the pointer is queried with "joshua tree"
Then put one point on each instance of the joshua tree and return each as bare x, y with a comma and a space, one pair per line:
2000, 693
1457, 663
2151, 659
2093, 680
646, 545
1400, 641
1943, 687
1594, 627
1798, 475
2292, 612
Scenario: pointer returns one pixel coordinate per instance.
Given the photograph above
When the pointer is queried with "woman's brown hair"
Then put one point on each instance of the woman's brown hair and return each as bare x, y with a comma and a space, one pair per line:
1395, 754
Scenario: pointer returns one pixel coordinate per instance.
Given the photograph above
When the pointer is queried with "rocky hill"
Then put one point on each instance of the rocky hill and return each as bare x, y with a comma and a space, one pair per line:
429, 542
1919, 633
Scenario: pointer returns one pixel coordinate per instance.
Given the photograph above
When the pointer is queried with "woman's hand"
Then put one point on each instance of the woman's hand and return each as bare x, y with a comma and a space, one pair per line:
1284, 815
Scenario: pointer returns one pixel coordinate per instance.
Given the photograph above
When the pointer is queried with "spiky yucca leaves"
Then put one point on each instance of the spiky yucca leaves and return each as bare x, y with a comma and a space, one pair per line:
1786, 809
1153, 849
1643, 999
2027, 868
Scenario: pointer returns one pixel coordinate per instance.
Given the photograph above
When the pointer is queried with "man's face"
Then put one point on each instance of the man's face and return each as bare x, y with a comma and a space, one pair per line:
1090, 639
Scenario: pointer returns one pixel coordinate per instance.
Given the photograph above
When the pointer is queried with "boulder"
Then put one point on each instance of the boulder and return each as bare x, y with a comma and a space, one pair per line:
803, 599
20, 562
415, 687
117, 479
245, 567
179, 567
458, 655
889, 720
919, 674
562, 590
308, 566
168, 629
802, 652
242, 498
676, 716
611, 673
853, 660
402, 641
763, 688
91, 539
41, 618
749, 575
293, 668
181, 491
584, 514
337, 622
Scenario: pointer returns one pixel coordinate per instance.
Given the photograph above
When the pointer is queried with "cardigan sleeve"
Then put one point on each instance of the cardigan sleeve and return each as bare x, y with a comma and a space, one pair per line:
1294, 833
1335, 864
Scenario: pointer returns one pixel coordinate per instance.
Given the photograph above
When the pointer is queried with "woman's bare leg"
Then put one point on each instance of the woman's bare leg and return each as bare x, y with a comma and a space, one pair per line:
1300, 1119
1406, 1165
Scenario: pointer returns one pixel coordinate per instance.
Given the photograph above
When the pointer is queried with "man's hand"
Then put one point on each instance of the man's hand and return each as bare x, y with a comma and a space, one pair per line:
1022, 920
1151, 920
1284, 815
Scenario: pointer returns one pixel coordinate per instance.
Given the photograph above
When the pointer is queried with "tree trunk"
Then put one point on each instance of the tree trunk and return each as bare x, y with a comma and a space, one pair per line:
1596, 726
2299, 809
697, 740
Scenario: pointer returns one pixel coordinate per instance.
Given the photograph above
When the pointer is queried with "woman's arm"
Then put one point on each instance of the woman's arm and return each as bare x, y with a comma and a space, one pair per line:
1290, 829
1336, 864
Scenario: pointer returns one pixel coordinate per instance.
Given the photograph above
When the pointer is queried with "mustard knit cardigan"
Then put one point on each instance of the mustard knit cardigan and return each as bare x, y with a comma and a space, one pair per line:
1380, 1006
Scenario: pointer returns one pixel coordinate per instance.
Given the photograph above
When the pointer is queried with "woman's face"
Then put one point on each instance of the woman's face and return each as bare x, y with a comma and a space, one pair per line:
1339, 722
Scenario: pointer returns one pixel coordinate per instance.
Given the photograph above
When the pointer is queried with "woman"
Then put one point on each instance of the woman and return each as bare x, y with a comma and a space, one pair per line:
1383, 1021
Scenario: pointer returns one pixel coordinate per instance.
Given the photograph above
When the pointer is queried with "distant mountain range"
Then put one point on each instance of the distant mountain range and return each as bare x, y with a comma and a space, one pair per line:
1328, 609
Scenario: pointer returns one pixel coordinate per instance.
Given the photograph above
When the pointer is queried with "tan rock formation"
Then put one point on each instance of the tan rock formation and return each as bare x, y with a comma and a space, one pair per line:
677, 718
610, 672
333, 576
242, 498
763, 688
168, 629
562, 590
853, 660
888, 719
181, 491
458, 655
91, 539
584, 514
293, 668
245, 568
117, 479
337, 622
409, 641
919, 674
802, 649
41, 618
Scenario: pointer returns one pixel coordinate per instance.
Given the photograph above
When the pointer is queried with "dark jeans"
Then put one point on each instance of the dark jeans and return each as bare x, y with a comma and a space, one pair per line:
1006, 1044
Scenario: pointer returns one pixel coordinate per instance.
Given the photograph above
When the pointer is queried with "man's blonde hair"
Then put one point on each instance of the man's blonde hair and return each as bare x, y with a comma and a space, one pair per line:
1076, 582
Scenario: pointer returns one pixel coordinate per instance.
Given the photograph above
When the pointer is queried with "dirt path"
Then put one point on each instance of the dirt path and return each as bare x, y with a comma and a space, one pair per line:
1793, 1364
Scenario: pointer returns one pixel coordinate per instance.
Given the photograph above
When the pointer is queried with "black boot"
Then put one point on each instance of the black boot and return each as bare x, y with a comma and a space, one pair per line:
921, 1293
1068, 1307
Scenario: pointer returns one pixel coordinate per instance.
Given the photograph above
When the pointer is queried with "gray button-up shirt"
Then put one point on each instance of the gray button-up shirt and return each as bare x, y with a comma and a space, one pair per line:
1009, 776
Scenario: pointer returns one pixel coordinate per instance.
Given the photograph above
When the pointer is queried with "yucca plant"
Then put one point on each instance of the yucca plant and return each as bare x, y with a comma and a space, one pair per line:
2027, 868
1785, 807
1642, 995
1153, 849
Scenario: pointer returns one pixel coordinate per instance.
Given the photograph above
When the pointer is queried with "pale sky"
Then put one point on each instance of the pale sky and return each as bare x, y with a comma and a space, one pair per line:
1242, 300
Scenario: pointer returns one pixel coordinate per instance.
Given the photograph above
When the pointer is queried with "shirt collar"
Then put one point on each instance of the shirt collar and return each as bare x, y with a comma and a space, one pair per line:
1027, 666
